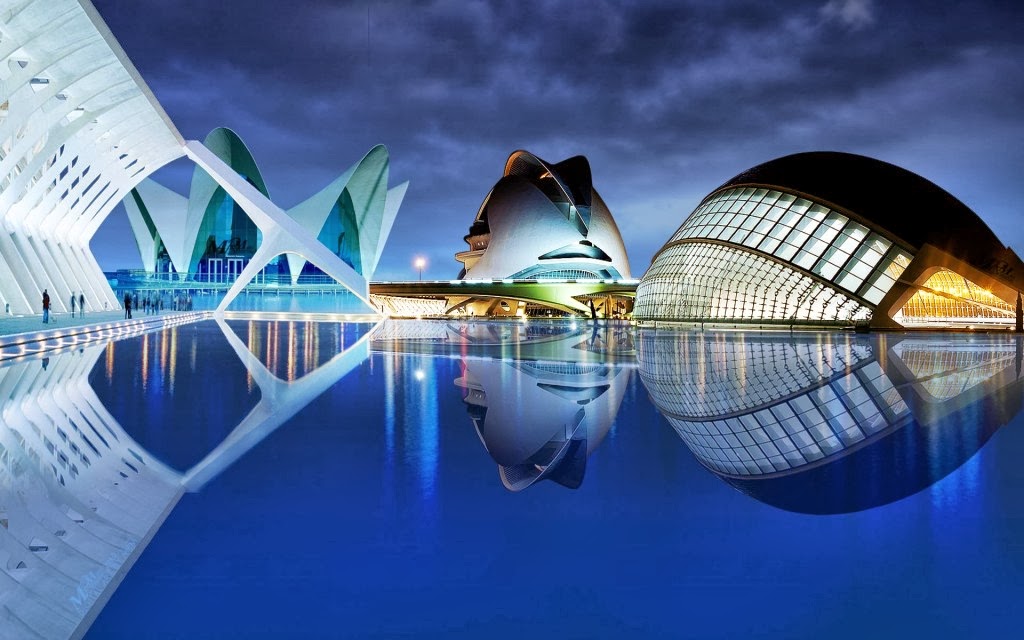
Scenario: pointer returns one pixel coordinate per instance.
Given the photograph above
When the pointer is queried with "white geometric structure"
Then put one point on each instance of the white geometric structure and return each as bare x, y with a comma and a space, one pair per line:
353, 216
362, 227
79, 129
544, 221
281, 233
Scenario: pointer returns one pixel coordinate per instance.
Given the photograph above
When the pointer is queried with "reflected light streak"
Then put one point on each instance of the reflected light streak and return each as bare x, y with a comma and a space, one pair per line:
145, 360
164, 343
174, 358
110, 363
292, 339
253, 347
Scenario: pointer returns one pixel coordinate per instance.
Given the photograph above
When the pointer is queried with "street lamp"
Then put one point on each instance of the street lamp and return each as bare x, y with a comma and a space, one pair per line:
419, 263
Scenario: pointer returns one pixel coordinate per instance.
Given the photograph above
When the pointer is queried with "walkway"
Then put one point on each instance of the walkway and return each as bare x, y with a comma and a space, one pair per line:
24, 335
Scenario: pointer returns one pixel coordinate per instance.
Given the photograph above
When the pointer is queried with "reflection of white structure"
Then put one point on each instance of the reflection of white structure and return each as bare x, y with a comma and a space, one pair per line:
78, 130
831, 425
541, 419
279, 401
711, 391
80, 500
542, 412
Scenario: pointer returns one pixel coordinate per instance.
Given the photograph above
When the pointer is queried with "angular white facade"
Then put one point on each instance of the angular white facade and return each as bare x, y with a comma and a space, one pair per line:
352, 217
79, 129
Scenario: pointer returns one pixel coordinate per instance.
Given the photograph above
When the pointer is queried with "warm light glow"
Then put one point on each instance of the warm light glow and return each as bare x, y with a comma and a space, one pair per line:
420, 263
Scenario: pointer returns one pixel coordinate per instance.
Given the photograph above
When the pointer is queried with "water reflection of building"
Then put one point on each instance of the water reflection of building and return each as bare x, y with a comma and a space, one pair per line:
831, 423
540, 420
80, 498
541, 396
538, 339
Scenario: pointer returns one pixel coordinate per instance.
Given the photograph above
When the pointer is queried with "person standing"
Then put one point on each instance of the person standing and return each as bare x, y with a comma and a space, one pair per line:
81, 304
127, 306
72, 305
46, 307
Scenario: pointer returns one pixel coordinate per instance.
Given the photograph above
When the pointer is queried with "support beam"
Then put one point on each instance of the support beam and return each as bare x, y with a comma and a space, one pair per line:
281, 233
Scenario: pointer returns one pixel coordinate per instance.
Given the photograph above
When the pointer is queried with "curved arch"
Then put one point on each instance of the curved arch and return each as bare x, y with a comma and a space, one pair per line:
353, 215
884, 195
209, 203
63, 175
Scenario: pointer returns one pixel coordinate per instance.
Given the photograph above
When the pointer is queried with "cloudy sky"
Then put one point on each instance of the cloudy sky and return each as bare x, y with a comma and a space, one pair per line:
667, 99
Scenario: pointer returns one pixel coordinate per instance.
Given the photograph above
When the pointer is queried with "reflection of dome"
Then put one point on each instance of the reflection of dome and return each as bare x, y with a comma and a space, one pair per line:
544, 221
827, 427
542, 419
832, 238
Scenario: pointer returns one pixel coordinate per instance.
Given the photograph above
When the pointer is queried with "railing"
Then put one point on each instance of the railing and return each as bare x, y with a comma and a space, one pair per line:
139, 278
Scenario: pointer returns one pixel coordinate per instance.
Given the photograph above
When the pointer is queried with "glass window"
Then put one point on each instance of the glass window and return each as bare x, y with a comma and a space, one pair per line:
786, 200
800, 205
817, 213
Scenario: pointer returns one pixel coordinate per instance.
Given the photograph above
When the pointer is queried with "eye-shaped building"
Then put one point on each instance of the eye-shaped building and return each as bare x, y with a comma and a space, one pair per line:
826, 238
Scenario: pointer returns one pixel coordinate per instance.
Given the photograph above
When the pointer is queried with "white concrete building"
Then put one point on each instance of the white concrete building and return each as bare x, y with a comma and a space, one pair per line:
79, 129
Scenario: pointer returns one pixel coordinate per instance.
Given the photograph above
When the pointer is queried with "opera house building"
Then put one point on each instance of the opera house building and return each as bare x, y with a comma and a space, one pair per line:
544, 221
832, 239
542, 244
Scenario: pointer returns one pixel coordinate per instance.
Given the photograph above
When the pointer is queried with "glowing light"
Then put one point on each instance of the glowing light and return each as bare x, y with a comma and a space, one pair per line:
419, 374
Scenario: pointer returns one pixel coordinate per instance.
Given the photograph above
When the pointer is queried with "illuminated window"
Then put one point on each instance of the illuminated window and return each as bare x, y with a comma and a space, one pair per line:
860, 264
948, 298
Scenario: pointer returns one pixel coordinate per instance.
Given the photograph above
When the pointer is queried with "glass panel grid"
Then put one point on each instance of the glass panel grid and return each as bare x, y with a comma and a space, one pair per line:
811, 236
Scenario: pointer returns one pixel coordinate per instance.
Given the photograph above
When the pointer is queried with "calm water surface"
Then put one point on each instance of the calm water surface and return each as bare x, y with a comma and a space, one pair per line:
251, 478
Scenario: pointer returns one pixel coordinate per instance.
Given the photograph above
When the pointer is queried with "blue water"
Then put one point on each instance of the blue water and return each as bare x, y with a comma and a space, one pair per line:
375, 510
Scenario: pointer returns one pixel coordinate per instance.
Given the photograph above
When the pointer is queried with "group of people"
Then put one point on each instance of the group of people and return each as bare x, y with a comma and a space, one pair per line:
151, 303
78, 301
154, 303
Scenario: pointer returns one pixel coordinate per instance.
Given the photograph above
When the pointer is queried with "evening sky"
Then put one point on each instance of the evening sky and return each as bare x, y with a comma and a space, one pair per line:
667, 99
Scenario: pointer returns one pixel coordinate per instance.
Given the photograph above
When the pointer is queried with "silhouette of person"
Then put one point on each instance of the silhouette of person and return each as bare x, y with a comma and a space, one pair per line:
46, 307
81, 304
127, 306
72, 305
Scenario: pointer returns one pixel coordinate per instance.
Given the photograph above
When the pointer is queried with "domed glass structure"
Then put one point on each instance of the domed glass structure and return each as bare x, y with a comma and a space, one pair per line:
828, 238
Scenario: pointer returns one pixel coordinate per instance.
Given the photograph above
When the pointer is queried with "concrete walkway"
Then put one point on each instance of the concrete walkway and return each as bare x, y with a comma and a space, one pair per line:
25, 335
24, 324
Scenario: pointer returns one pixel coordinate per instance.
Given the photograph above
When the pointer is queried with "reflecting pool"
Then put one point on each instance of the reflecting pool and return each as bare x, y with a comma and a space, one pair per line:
248, 477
